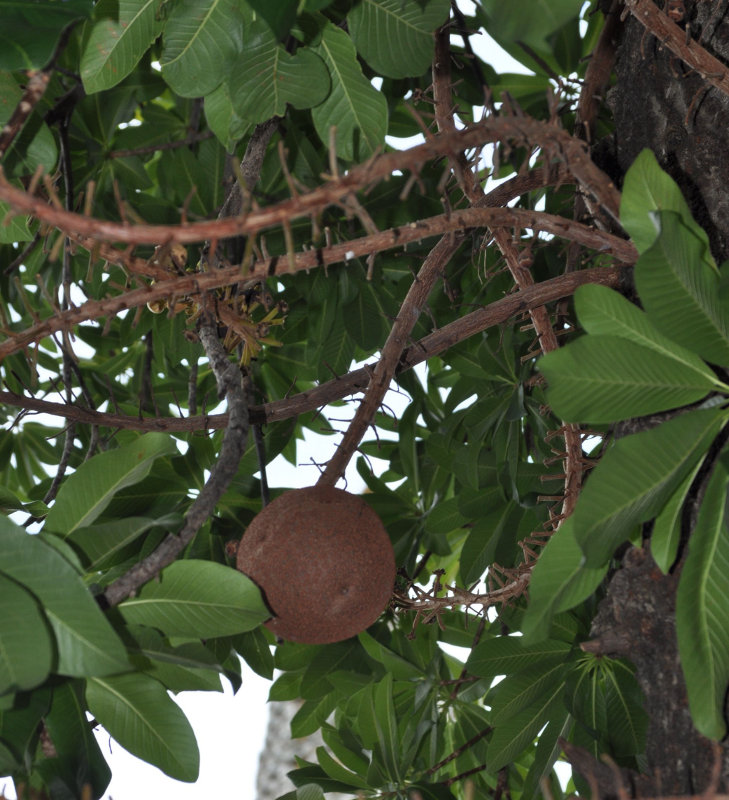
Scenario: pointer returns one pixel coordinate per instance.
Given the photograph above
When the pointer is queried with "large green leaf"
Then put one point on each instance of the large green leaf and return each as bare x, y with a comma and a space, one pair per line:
647, 189
101, 543
13, 228
528, 21
201, 39
666, 530
518, 691
702, 611
603, 311
560, 580
30, 29
354, 107
679, 289
86, 643
394, 37
137, 711
267, 77
26, 651
90, 489
114, 48
198, 598
505, 655
636, 477
74, 741
516, 733
626, 721
608, 378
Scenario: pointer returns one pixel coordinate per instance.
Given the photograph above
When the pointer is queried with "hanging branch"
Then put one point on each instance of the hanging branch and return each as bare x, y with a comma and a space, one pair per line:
432, 269
431, 345
557, 143
193, 284
228, 379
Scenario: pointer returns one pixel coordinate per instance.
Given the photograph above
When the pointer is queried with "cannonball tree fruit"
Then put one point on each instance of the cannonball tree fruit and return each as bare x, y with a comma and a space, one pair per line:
323, 561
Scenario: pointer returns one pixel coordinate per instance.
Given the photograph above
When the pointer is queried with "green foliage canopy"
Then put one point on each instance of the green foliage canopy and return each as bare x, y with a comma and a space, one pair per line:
144, 119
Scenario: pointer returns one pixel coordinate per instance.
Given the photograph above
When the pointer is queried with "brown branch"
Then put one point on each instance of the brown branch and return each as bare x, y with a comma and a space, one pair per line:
229, 384
434, 344
517, 262
192, 284
153, 148
433, 268
557, 143
675, 39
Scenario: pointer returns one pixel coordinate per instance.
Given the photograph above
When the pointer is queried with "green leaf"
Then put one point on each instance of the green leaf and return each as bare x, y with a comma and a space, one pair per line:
86, 643
560, 580
137, 711
100, 543
267, 77
201, 39
386, 726
256, 652
505, 655
394, 37
647, 189
626, 720
309, 791
702, 611
529, 21
279, 16
85, 494
197, 598
335, 770
26, 651
13, 228
679, 289
636, 477
223, 119
400, 668
518, 691
603, 311
31, 29
514, 734
666, 530
353, 107
114, 48
74, 741
607, 378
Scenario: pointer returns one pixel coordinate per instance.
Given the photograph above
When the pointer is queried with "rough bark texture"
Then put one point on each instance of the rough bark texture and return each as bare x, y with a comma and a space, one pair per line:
658, 102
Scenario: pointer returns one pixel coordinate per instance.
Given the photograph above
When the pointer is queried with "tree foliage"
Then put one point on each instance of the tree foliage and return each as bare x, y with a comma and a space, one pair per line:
199, 204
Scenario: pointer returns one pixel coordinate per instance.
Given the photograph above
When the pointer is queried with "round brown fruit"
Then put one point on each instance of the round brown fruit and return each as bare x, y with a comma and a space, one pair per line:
323, 561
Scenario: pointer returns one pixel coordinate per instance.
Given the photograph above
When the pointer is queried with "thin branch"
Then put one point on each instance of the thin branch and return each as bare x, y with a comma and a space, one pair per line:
193, 284
153, 148
432, 269
557, 143
435, 343
228, 378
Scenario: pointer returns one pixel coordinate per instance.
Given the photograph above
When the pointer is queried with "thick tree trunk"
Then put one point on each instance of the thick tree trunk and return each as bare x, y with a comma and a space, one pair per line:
660, 103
